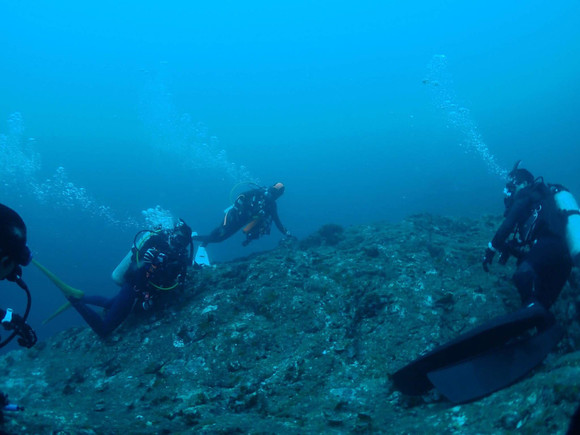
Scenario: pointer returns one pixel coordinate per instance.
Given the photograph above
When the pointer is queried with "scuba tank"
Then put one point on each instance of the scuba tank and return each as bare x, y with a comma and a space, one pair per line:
566, 202
118, 274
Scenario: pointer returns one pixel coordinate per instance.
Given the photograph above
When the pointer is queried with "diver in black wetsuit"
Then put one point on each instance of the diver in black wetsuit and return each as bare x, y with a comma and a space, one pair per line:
14, 254
255, 210
542, 230
156, 264
533, 231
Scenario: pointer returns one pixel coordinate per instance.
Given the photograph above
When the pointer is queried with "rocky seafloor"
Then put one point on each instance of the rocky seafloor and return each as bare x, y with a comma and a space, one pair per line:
301, 339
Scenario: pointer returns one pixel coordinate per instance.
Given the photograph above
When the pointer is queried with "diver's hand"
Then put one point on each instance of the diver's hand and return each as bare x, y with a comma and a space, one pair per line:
290, 236
153, 256
22, 329
488, 258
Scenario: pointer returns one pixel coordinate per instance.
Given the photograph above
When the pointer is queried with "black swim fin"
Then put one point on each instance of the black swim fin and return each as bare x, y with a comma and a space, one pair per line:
413, 379
574, 426
496, 369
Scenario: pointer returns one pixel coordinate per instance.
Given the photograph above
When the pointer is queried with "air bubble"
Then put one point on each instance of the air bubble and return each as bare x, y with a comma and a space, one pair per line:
458, 117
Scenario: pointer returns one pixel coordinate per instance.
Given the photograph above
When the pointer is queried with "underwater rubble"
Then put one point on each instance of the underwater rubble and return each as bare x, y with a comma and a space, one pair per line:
300, 339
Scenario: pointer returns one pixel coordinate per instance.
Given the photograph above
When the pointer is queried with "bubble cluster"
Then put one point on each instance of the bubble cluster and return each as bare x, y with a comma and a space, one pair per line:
158, 218
441, 87
18, 160
187, 143
19, 173
58, 191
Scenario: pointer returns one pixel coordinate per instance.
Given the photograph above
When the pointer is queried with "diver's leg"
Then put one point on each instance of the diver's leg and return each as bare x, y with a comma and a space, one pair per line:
118, 311
99, 301
232, 223
525, 279
203, 239
553, 266
544, 271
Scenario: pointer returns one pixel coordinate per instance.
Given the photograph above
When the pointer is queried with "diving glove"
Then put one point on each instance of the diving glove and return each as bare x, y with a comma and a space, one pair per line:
488, 258
153, 256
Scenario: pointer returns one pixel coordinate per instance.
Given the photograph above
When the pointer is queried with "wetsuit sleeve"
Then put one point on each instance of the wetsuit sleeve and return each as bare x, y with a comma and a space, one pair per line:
276, 219
517, 211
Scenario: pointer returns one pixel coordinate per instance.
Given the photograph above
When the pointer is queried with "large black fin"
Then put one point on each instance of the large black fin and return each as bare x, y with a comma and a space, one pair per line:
574, 426
496, 369
413, 380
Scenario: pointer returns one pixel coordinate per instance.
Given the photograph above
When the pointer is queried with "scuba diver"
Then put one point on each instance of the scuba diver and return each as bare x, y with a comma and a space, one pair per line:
254, 211
540, 230
14, 254
156, 264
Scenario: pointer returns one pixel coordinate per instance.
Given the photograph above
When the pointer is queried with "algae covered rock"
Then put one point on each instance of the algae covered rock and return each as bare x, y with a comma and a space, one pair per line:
302, 339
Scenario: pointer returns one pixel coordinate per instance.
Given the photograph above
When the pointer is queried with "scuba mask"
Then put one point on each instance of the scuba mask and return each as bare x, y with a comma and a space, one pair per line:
21, 257
13, 237
515, 180
511, 185
276, 191
510, 188
509, 192
180, 236
181, 240
24, 256
517, 177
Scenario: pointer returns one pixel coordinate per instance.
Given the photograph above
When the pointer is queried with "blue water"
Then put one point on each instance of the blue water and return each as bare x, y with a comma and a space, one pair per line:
367, 112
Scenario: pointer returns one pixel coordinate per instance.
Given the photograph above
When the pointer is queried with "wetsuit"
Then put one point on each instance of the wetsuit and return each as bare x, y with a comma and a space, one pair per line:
538, 241
255, 210
142, 285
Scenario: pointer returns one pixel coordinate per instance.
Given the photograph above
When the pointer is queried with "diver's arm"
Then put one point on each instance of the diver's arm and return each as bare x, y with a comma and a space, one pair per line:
276, 219
507, 227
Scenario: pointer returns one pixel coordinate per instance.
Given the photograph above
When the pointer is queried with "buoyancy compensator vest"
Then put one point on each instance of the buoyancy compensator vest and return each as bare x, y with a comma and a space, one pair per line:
567, 204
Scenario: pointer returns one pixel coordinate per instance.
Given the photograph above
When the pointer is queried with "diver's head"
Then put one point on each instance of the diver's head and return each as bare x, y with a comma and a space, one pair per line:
517, 180
180, 235
13, 249
276, 190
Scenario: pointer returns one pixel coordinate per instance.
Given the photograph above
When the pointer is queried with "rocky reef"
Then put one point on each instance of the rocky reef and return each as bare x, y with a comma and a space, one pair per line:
301, 339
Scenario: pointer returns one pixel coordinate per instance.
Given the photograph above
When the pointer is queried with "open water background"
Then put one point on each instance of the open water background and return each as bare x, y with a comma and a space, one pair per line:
367, 111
